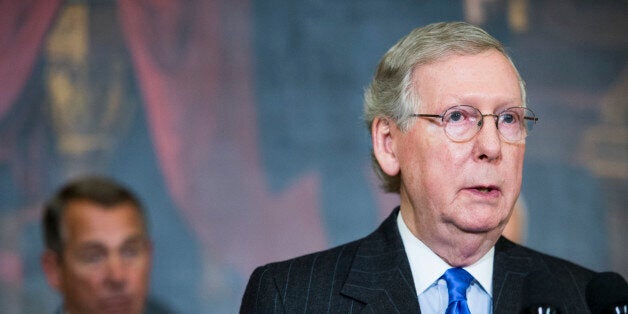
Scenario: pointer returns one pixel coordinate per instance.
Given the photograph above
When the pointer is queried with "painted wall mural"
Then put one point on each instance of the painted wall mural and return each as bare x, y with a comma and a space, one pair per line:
238, 123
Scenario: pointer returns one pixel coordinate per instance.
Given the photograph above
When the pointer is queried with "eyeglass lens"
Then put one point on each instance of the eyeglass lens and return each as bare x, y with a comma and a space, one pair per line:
463, 122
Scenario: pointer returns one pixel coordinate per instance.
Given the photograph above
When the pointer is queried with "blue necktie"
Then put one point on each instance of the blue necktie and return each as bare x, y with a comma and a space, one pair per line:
458, 280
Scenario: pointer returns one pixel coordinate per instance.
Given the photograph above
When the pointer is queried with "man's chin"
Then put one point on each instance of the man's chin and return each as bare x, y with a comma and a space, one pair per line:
481, 228
117, 304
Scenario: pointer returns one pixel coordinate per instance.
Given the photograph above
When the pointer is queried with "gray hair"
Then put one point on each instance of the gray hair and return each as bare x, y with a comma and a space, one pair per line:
390, 93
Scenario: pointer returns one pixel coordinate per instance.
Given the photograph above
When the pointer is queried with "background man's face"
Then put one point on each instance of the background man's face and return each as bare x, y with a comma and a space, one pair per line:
106, 259
453, 186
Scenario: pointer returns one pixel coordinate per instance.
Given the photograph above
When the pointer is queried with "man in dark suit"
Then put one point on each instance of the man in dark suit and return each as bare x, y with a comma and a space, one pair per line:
448, 120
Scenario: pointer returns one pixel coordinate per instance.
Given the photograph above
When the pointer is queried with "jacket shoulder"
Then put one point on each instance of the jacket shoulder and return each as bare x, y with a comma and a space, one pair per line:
545, 262
311, 280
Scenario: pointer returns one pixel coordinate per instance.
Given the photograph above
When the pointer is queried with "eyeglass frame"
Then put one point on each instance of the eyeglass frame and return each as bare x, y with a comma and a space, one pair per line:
480, 123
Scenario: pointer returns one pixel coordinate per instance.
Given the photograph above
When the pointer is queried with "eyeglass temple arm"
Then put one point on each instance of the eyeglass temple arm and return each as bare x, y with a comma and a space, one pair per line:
426, 115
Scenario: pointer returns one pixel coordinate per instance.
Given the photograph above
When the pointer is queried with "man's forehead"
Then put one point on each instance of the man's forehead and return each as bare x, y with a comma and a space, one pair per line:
460, 77
89, 221
108, 244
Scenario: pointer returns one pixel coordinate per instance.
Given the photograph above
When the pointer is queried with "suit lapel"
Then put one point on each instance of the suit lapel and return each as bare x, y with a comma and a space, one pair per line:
509, 270
380, 275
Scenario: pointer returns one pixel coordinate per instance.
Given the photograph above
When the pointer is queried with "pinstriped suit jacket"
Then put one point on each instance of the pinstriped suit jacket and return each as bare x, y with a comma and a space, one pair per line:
373, 275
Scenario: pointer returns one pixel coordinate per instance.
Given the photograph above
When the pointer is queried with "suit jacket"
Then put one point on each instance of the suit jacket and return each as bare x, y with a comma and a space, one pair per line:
373, 274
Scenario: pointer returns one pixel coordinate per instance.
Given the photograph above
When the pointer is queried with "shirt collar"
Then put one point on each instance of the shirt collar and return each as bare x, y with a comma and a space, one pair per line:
427, 267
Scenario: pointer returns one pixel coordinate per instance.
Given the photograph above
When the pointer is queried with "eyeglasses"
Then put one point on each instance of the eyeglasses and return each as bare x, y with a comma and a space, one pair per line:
461, 123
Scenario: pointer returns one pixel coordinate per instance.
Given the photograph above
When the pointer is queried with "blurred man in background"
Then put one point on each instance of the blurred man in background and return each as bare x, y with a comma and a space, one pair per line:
98, 252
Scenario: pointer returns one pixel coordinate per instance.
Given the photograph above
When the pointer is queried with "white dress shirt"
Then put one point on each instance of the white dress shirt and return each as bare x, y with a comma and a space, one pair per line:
427, 268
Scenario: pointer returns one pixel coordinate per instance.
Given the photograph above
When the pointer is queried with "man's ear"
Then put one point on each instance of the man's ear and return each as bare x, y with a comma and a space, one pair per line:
51, 263
384, 145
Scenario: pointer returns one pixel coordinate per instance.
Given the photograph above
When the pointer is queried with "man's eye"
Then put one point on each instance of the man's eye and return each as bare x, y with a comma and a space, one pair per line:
508, 118
131, 251
456, 116
91, 257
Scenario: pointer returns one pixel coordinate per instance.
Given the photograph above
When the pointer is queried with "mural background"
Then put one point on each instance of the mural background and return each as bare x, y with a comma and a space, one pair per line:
239, 125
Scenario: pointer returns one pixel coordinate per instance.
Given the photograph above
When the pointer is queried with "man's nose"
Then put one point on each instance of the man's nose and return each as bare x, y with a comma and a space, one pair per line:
488, 141
116, 272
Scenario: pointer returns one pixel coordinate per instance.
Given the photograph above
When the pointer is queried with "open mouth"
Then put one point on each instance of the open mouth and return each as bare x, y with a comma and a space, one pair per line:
486, 189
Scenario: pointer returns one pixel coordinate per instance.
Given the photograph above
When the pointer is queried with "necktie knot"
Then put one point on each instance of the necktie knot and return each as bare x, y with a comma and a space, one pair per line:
458, 280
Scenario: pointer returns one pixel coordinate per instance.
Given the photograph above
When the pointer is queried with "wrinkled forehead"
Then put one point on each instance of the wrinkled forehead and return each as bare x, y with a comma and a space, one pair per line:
490, 60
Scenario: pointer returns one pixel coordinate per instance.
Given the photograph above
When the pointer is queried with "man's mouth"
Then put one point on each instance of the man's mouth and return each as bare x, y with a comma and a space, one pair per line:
117, 304
486, 190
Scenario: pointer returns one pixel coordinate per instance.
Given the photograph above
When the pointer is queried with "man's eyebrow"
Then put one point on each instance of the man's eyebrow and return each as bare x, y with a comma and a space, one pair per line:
137, 238
90, 245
